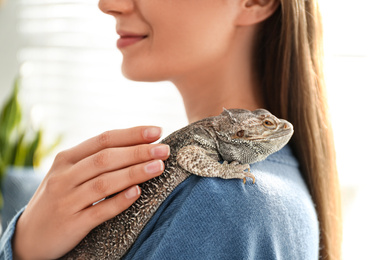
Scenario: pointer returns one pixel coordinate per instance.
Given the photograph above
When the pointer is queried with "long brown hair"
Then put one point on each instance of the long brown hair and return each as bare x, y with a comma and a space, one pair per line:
290, 67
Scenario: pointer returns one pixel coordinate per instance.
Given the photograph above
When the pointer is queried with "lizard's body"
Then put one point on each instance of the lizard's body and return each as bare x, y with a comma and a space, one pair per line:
237, 136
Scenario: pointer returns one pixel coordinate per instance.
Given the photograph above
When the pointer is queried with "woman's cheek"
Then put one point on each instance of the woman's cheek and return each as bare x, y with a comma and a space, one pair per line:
171, 50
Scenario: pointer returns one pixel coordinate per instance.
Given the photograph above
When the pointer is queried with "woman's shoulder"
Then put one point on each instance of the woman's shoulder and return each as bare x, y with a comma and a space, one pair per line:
279, 190
213, 218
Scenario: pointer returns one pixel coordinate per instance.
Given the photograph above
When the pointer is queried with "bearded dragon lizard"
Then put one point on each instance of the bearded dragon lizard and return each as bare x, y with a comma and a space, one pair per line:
236, 137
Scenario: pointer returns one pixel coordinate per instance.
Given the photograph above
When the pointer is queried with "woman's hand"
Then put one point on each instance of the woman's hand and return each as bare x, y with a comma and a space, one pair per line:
61, 214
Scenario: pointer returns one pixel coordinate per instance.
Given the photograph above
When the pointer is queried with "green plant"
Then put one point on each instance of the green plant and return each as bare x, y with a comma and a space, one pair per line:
20, 145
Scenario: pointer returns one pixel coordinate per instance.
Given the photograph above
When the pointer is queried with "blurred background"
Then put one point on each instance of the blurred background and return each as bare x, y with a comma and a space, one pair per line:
72, 86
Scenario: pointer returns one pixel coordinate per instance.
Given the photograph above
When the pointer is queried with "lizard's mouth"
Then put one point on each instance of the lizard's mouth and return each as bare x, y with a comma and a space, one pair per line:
269, 137
263, 138
256, 138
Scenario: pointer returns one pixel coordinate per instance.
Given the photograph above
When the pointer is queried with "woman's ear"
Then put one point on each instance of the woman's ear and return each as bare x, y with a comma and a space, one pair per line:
255, 11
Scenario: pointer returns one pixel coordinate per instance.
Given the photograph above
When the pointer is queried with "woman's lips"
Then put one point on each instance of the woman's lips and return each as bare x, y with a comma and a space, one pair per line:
124, 41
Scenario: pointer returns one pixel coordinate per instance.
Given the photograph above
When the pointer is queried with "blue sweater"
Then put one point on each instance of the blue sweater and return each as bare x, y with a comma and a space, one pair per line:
212, 218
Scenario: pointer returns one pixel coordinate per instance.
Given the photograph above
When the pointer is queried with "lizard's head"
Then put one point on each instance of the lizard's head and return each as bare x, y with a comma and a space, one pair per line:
250, 136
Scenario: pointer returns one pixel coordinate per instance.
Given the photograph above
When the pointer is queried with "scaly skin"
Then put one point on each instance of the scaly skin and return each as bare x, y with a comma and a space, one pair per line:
237, 137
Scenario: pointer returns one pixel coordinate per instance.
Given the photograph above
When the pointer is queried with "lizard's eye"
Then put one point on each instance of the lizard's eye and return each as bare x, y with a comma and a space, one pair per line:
269, 124
240, 133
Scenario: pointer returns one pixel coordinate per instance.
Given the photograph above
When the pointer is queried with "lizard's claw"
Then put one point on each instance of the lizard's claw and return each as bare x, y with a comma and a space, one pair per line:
249, 174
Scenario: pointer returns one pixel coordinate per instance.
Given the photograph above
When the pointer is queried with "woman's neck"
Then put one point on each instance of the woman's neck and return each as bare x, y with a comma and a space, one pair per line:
229, 81
206, 92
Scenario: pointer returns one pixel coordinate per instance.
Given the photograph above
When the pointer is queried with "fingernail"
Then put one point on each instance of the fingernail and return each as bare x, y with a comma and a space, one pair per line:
154, 167
132, 192
152, 132
160, 151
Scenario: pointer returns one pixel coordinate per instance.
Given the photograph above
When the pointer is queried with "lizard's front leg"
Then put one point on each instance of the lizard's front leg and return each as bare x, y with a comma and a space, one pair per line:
197, 160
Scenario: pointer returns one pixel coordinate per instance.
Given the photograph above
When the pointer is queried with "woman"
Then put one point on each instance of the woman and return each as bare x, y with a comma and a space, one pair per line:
218, 53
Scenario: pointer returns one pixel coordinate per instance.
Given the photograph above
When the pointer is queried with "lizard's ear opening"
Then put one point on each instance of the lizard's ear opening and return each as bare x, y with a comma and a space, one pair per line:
229, 115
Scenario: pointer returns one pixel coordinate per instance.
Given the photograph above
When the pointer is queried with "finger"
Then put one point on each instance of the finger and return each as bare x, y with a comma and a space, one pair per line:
113, 138
116, 158
107, 209
113, 182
